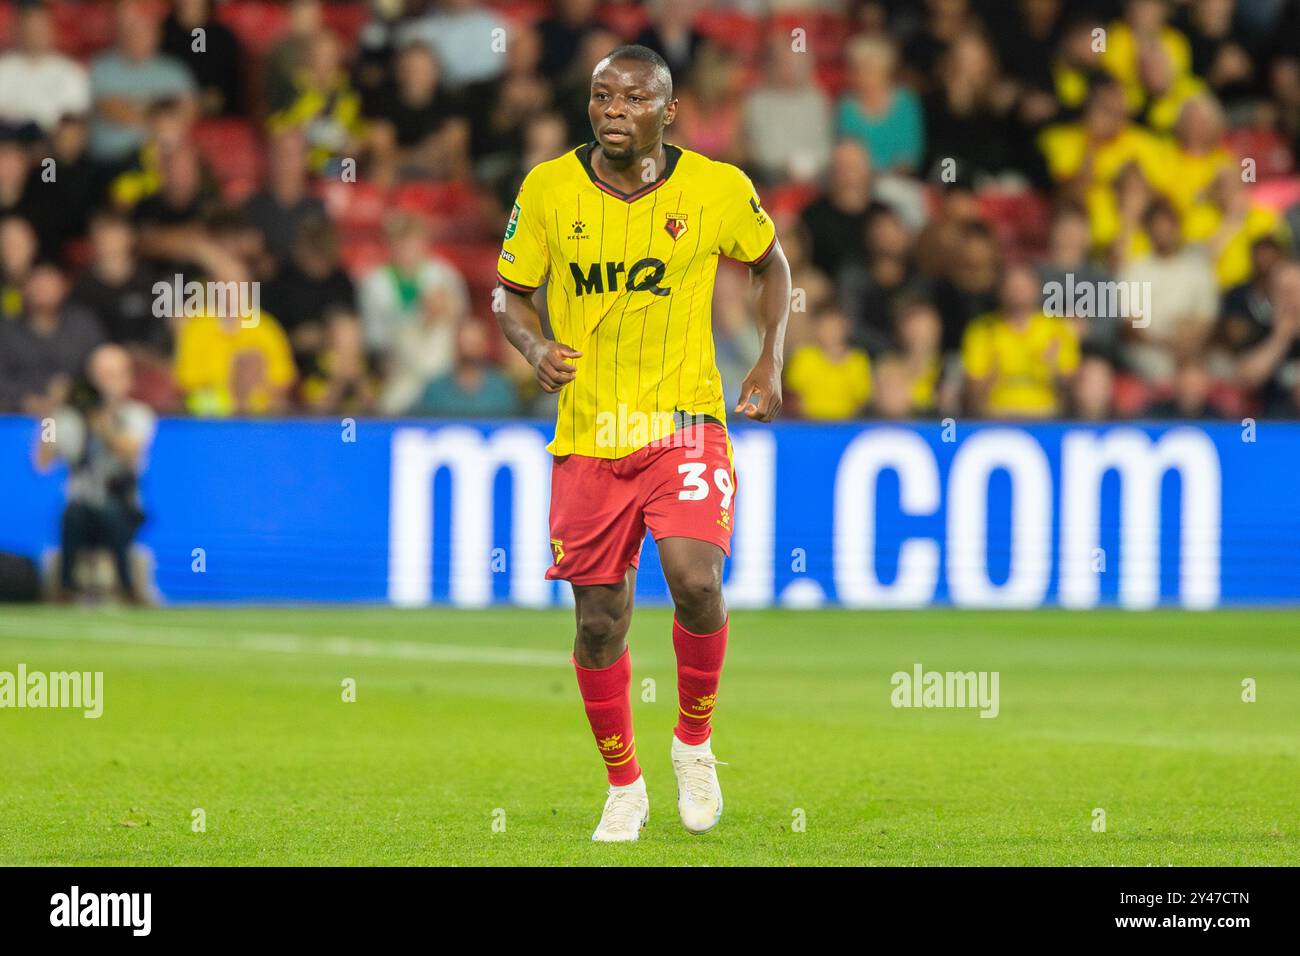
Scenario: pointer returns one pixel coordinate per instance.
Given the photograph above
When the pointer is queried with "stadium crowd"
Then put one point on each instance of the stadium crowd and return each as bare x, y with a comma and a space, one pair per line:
1011, 208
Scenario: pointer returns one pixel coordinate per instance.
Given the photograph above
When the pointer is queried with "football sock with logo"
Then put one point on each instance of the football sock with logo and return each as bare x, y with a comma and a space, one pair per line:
699, 665
605, 695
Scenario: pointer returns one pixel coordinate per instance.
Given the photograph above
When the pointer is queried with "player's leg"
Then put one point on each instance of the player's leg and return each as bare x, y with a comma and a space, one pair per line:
596, 534
604, 667
693, 569
604, 614
690, 511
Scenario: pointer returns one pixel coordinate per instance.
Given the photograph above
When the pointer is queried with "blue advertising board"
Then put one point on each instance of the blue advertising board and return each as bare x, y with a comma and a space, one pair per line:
859, 515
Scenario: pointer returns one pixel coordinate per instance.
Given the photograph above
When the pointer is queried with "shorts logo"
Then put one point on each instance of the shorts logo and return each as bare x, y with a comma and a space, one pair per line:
675, 224
513, 224
557, 546
705, 702
610, 744
724, 519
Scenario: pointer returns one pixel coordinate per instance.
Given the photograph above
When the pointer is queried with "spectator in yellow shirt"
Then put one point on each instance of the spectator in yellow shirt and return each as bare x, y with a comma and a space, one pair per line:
1195, 156
232, 364
1087, 157
1018, 359
326, 107
831, 378
1145, 24
1230, 223
919, 331
1164, 91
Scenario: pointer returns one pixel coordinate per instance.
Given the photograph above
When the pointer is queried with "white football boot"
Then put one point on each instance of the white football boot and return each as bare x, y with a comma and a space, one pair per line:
627, 811
699, 798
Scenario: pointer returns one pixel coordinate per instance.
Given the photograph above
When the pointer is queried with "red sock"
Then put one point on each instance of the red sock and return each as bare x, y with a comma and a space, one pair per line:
699, 665
609, 710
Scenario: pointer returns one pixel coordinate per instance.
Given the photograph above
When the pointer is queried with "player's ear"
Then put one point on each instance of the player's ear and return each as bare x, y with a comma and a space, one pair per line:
670, 112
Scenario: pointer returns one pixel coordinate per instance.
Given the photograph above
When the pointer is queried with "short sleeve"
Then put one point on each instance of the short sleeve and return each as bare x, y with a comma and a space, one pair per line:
796, 372
525, 261
748, 234
976, 355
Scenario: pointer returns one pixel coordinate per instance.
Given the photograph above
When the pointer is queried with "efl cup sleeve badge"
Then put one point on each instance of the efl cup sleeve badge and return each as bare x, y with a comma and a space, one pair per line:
513, 224
675, 224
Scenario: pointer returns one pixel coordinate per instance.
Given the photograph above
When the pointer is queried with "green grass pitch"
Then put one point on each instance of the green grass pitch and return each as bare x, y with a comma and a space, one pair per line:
467, 743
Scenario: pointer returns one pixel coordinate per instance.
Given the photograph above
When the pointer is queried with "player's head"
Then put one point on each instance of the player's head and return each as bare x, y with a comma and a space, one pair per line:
631, 101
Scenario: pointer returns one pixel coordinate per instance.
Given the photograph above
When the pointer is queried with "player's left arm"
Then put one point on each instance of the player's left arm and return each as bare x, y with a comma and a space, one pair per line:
760, 392
749, 236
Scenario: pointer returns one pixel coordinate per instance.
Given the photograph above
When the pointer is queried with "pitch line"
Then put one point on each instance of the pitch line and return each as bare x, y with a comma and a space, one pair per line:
146, 635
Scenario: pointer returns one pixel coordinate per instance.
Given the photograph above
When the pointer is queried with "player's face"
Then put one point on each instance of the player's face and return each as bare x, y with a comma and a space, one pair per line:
629, 108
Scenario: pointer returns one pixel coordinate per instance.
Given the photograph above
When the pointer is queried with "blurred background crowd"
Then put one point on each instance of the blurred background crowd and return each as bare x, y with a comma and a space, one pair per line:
934, 167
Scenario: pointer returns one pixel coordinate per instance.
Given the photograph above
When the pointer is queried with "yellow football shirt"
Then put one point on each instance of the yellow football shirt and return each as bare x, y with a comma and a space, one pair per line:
629, 284
1233, 265
830, 390
1022, 364
1065, 148
206, 350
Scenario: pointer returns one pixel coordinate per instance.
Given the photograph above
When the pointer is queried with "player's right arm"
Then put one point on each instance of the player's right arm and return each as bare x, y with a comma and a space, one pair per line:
522, 327
522, 268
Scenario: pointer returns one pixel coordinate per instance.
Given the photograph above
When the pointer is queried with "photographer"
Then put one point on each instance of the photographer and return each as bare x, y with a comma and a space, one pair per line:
104, 437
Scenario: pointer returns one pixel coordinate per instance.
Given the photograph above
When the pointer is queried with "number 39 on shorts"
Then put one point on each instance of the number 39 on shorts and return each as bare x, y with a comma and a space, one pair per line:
696, 488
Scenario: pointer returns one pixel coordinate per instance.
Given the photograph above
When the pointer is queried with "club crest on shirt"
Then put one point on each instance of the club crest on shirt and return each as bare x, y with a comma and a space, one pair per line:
513, 224
675, 224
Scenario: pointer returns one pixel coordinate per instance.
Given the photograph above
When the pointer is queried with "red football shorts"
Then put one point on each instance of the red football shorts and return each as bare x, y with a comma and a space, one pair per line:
683, 487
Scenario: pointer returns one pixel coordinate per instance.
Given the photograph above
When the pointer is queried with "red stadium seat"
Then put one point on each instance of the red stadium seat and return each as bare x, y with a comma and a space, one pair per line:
1021, 220
824, 32
832, 78
257, 25
732, 30
358, 206
233, 151
1230, 400
625, 19
360, 257
789, 198
521, 11
477, 262
450, 200
346, 20
1131, 396
83, 29
1277, 194
1267, 147
8, 24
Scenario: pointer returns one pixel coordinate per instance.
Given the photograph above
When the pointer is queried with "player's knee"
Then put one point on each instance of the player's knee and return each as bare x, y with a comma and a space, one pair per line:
697, 588
602, 629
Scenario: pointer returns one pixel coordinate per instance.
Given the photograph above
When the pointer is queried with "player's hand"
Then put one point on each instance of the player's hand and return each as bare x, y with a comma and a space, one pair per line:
760, 392
553, 370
